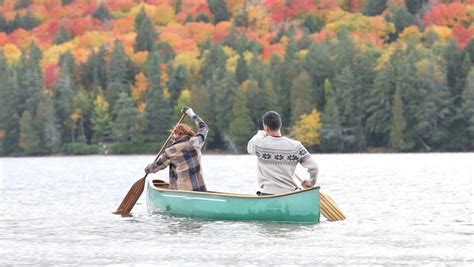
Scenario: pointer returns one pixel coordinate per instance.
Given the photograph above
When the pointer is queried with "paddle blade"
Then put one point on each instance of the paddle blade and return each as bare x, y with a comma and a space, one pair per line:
132, 197
330, 210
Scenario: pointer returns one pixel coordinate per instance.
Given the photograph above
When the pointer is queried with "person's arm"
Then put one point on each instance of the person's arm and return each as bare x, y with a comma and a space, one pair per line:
251, 145
201, 125
307, 161
161, 163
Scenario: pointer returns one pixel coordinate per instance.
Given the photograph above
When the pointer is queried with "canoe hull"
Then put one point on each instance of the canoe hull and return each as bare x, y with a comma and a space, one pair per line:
299, 207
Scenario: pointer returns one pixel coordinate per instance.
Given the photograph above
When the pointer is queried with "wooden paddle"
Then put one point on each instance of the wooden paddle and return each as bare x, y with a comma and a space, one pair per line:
329, 209
137, 188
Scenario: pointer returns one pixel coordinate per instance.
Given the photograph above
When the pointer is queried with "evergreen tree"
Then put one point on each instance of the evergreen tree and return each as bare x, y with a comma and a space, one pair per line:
433, 112
146, 36
241, 71
94, 71
101, 119
176, 83
63, 99
178, 6
347, 97
398, 122
62, 36
66, 2
117, 67
468, 109
125, 125
225, 90
331, 130
300, 98
379, 108
241, 127
375, 7
255, 100
45, 122
119, 75
30, 79
102, 13
84, 106
401, 18
29, 137
213, 72
219, 10
9, 108
312, 23
319, 64
22, 4
158, 116
414, 6
270, 99
344, 50
140, 18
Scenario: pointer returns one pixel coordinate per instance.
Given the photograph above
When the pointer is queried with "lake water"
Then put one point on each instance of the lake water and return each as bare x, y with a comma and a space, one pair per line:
401, 208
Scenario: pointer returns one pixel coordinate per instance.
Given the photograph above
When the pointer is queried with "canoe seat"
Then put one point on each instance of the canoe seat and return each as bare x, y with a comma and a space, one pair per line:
160, 184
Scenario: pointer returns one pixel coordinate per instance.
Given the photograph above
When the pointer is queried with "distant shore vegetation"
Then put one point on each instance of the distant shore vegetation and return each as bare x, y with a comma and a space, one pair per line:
92, 77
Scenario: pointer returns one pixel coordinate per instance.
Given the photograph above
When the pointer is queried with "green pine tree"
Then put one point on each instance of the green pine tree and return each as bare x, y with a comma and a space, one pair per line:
126, 124
241, 72
63, 98
62, 36
398, 122
158, 116
300, 97
375, 7
468, 109
270, 98
102, 13
177, 81
146, 36
241, 127
219, 9
331, 130
29, 137
46, 123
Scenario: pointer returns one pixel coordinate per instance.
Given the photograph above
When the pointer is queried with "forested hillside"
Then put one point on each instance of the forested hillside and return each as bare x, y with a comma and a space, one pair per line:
346, 75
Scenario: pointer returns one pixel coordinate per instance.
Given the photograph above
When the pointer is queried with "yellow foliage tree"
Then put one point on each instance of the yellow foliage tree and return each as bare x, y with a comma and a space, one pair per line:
188, 59
11, 52
306, 130
140, 87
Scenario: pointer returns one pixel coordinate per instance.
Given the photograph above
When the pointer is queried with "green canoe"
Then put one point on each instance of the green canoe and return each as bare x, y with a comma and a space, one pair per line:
295, 207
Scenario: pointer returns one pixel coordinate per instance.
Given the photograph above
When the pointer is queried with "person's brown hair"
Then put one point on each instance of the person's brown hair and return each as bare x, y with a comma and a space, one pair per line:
183, 129
272, 120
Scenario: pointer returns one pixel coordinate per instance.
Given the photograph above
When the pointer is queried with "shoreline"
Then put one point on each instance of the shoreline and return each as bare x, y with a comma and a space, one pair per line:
226, 153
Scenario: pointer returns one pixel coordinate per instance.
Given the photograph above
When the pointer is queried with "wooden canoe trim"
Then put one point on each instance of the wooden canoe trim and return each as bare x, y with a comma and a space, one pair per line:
224, 194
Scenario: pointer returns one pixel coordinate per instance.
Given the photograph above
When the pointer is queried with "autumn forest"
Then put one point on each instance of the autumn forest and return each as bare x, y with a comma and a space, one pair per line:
90, 76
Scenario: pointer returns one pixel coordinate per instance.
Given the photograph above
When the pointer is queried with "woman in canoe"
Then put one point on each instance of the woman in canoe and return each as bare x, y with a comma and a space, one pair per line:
183, 156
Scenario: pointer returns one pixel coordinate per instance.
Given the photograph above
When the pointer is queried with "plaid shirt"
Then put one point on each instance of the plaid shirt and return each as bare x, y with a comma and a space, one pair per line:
184, 159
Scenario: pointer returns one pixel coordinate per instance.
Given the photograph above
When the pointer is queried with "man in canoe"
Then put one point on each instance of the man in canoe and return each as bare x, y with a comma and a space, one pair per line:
183, 156
278, 157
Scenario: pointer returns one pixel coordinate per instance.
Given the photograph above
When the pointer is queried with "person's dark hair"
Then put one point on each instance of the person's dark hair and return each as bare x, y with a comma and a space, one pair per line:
272, 120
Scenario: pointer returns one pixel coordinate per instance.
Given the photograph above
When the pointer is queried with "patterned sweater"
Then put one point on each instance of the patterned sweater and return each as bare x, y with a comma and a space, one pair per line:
184, 159
277, 161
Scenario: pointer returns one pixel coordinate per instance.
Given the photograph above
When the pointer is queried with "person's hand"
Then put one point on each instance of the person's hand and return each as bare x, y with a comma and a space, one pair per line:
189, 111
147, 170
306, 184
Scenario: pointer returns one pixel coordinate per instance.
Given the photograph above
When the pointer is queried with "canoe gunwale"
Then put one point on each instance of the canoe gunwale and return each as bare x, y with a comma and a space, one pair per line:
236, 195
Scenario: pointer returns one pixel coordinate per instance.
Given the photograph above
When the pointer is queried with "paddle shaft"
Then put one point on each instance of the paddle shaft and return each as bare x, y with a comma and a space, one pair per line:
137, 188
